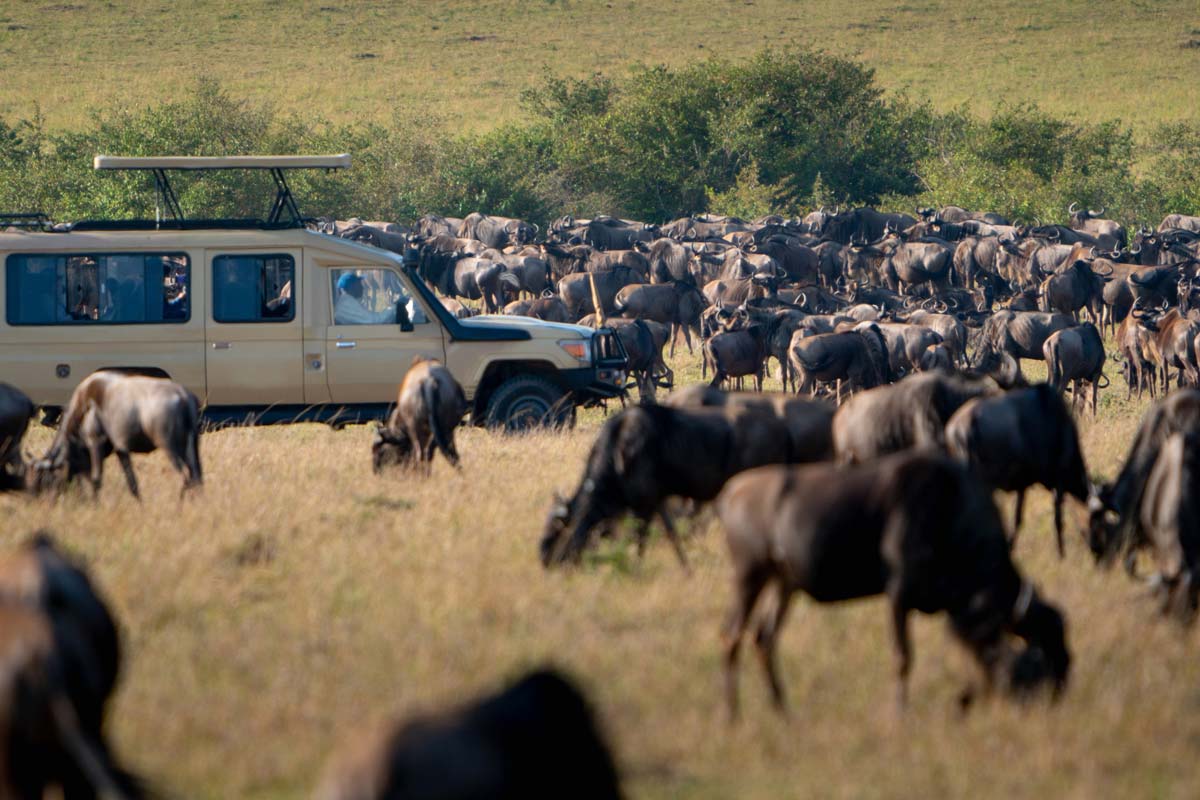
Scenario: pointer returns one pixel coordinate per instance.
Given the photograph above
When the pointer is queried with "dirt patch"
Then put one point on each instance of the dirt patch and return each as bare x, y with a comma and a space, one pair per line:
478, 38
362, 56
57, 7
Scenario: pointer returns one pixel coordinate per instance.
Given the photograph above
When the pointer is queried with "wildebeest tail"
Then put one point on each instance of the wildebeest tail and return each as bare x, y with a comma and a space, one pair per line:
191, 455
430, 395
91, 756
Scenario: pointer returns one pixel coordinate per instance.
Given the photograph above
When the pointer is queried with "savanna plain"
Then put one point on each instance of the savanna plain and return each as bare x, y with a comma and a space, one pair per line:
301, 600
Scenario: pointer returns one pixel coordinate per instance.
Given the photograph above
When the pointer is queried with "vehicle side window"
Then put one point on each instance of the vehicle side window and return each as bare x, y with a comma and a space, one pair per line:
253, 288
100, 288
370, 297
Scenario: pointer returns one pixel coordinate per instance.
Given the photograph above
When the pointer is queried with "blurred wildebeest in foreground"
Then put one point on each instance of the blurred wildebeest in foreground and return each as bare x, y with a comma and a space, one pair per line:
429, 406
647, 454
112, 411
16, 409
914, 526
537, 738
61, 657
1019, 439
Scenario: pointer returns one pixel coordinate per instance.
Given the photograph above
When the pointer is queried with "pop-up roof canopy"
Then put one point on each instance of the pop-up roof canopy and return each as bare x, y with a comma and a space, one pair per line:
284, 202
341, 161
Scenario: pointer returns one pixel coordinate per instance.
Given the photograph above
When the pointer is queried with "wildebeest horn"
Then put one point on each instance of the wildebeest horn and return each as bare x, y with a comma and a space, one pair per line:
803, 298
822, 211
1054, 234
536, 228
690, 233
1095, 213
1071, 208
753, 248
1101, 271
1133, 251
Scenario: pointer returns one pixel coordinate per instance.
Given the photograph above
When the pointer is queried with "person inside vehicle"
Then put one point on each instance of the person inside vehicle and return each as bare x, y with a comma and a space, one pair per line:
349, 308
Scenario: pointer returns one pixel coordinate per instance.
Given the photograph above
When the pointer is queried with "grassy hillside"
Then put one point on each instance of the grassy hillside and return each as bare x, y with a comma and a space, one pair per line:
300, 600
353, 59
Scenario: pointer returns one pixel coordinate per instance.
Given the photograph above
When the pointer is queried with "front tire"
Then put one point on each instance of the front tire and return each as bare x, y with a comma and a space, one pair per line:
525, 402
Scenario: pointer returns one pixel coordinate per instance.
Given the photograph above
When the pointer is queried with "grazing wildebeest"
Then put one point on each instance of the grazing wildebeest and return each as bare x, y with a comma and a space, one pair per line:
908, 414
1116, 510
646, 454
859, 358
16, 409
537, 738
914, 526
61, 656
1076, 356
111, 411
429, 406
1017, 440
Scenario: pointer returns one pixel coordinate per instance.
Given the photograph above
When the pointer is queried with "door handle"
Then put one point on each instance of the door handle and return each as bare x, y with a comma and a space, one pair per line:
222, 345
346, 345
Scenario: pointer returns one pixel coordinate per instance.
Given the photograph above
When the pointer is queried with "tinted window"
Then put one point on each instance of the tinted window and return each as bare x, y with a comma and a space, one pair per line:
253, 288
370, 296
101, 288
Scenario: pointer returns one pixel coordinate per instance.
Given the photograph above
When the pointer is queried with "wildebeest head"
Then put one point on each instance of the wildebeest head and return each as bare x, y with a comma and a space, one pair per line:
1103, 532
391, 448
54, 471
1046, 657
557, 521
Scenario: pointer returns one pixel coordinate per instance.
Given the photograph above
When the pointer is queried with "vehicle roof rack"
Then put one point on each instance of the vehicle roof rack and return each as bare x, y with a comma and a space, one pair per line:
284, 204
35, 220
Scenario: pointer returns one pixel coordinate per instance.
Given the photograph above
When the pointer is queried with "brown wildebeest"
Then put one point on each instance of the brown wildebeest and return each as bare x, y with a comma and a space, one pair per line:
913, 526
61, 656
429, 407
111, 412
537, 738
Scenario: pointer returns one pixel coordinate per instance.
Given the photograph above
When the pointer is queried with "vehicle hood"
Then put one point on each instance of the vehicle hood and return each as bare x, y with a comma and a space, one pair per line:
537, 328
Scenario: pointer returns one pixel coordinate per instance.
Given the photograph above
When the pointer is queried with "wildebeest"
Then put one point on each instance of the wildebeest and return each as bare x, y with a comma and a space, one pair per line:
676, 304
61, 656
738, 353
913, 526
1021, 334
1075, 356
1109, 234
1139, 351
1116, 509
1017, 440
429, 406
1074, 286
109, 412
16, 409
908, 414
537, 738
647, 454
497, 232
858, 358
576, 290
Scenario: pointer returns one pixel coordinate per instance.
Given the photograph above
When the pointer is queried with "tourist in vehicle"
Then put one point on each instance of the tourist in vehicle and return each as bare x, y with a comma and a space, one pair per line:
348, 309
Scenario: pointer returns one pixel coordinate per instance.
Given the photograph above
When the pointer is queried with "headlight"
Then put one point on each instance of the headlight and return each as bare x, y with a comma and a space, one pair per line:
578, 349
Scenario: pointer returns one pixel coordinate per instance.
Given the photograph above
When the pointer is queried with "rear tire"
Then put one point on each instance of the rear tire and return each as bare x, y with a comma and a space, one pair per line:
525, 402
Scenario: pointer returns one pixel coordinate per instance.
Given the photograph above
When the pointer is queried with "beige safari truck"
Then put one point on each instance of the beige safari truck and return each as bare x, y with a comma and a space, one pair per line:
268, 321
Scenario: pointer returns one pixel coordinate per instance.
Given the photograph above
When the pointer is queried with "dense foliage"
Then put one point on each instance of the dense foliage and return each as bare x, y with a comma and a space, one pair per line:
783, 131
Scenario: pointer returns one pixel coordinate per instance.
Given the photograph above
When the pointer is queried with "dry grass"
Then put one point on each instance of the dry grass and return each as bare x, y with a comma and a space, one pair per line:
301, 598
354, 59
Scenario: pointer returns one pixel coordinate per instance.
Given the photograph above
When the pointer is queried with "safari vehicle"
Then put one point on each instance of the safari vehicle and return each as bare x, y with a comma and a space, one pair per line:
268, 321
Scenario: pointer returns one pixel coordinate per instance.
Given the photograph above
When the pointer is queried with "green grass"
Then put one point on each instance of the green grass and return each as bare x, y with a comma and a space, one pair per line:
352, 60
300, 601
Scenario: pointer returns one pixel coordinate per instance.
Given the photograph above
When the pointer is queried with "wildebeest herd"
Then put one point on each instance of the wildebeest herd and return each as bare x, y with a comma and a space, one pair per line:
900, 340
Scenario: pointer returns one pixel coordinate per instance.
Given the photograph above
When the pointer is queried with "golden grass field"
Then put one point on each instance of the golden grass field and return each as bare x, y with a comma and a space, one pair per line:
351, 60
300, 600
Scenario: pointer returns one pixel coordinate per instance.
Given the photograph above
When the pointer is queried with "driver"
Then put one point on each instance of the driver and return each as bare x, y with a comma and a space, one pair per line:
349, 308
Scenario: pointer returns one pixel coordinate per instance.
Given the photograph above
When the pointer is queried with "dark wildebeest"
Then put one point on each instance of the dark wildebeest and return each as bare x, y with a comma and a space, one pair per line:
1174, 338
1021, 334
859, 358
576, 290
537, 738
1075, 286
1118, 509
670, 261
429, 406
914, 526
677, 304
497, 232
1017, 440
109, 412
863, 223
432, 225
1139, 351
61, 656
908, 414
1110, 234
957, 214
738, 353
1076, 356
16, 409
551, 309
647, 454
809, 422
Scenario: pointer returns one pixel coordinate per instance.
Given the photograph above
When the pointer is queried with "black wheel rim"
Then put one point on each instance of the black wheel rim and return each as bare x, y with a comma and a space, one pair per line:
527, 412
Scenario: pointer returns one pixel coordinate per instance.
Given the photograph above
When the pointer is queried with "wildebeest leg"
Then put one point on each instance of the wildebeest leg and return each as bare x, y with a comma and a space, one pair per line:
673, 537
1058, 535
641, 535
747, 586
130, 478
903, 648
1017, 513
674, 337
766, 639
97, 454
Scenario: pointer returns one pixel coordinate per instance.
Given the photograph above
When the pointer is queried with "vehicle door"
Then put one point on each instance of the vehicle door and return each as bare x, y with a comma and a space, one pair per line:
253, 334
368, 349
